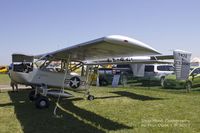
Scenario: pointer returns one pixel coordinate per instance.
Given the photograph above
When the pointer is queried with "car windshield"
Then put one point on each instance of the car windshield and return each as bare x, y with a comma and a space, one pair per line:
191, 69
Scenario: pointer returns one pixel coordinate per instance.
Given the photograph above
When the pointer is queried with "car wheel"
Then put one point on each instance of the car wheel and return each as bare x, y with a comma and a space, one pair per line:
188, 86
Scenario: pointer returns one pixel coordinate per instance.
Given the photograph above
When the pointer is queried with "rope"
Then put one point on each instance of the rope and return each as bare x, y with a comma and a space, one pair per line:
61, 90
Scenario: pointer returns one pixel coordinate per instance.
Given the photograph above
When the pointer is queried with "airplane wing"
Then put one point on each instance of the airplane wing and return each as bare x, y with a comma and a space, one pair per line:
130, 62
102, 48
162, 57
22, 58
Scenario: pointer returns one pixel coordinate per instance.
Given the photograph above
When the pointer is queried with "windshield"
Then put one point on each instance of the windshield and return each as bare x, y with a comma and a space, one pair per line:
191, 69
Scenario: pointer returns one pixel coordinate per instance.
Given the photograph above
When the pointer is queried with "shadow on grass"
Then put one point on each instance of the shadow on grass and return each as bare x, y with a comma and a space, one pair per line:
107, 97
34, 120
135, 96
92, 117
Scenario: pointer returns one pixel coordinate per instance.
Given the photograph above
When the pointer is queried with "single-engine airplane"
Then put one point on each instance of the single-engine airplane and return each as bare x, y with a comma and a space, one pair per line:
37, 71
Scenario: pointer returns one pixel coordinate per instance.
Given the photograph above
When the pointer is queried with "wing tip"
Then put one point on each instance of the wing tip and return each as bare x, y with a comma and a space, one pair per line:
124, 39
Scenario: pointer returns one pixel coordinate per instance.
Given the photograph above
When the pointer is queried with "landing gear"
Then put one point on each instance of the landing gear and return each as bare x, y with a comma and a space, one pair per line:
32, 96
40, 96
90, 97
42, 102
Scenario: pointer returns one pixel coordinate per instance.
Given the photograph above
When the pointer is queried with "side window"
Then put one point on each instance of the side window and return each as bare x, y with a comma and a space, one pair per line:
198, 70
123, 66
149, 68
161, 68
165, 68
171, 68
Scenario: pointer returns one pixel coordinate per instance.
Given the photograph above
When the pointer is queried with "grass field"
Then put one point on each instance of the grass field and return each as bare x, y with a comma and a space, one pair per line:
4, 79
134, 109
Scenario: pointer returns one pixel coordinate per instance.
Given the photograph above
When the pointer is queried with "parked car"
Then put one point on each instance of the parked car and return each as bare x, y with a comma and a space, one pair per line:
105, 76
193, 80
156, 73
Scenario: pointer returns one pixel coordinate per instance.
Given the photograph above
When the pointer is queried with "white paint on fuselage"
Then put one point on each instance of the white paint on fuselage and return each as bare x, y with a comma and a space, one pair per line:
51, 79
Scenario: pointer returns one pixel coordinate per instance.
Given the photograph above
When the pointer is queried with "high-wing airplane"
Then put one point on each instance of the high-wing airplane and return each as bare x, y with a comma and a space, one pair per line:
37, 71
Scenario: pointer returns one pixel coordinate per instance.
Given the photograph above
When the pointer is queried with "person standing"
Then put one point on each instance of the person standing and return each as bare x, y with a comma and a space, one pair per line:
14, 85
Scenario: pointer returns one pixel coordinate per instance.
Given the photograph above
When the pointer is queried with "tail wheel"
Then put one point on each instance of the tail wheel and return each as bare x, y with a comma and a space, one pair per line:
188, 86
42, 102
162, 80
90, 97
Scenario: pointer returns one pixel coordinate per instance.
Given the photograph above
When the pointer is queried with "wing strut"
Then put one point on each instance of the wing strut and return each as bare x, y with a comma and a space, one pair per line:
63, 86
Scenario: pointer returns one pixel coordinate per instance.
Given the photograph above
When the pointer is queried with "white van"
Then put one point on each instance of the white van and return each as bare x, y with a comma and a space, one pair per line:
157, 72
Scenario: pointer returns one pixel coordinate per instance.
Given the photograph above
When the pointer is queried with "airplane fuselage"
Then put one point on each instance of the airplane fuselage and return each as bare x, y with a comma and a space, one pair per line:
51, 79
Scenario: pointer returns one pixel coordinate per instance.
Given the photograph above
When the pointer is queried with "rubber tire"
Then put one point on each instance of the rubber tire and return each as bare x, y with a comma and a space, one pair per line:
90, 97
32, 96
42, 102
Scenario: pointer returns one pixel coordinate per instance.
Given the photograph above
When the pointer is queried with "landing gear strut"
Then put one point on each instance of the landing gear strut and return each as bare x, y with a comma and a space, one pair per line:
33, 96
41, 101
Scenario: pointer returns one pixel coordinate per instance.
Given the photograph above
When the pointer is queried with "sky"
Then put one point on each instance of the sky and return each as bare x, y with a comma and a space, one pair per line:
40, 26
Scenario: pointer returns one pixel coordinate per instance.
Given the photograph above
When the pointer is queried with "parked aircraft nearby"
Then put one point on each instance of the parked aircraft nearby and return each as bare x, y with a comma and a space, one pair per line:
36, 71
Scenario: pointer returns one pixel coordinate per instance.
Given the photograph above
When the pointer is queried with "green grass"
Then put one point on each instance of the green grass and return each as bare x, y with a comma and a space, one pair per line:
134, 110
4, 79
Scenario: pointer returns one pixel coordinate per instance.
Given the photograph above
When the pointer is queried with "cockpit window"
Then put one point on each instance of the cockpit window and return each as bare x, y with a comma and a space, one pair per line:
23, 67
52, 66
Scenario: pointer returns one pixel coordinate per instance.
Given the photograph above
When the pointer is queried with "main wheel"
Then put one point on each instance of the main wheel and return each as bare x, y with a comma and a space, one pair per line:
90, 97
32, 96
42, 102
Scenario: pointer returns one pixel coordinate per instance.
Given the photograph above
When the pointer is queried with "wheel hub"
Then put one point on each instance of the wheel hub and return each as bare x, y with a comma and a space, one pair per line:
43, 103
